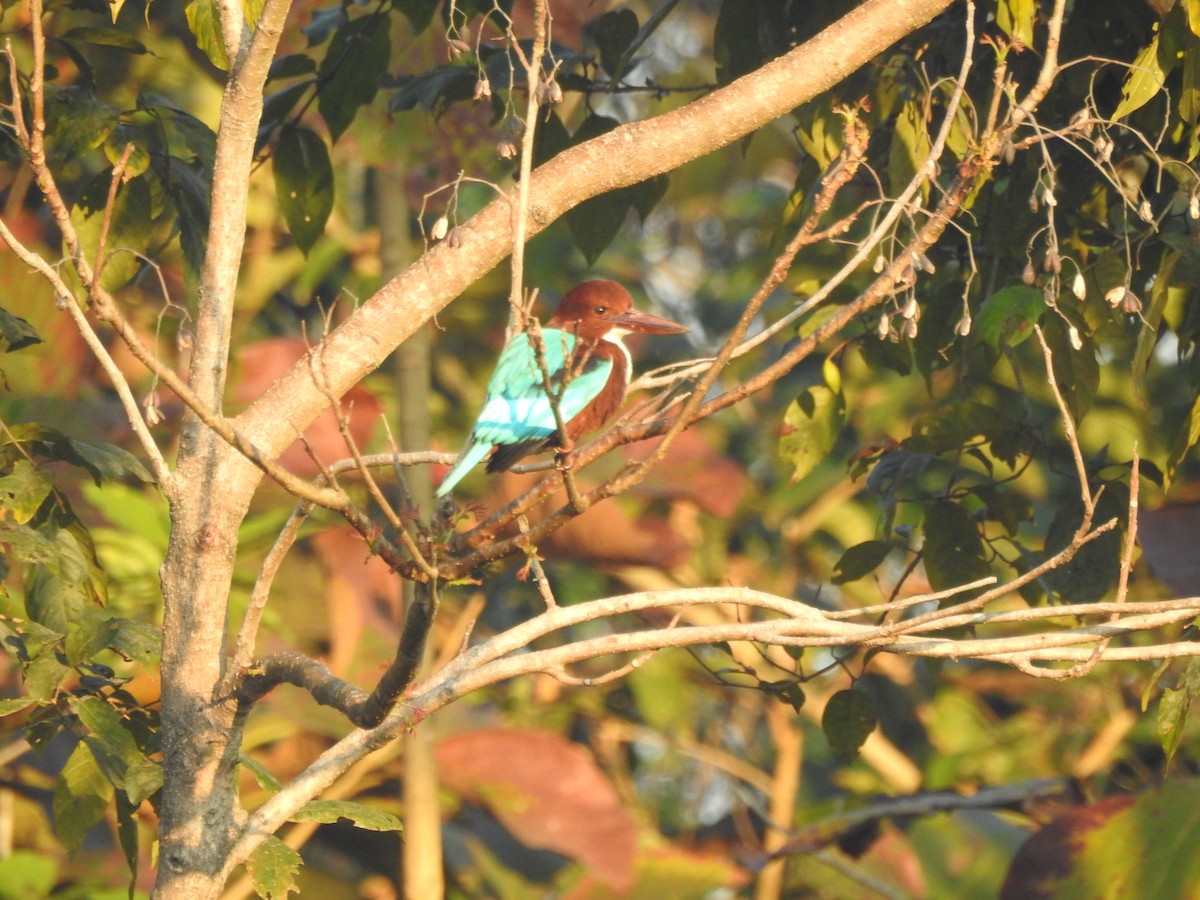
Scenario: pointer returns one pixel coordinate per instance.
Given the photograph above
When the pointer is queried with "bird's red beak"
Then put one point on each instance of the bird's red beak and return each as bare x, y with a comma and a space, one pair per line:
644, 322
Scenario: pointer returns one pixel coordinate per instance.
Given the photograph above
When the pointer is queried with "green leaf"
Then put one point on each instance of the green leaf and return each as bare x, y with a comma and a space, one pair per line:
1152, 315
329, 812
1146, 850
860, 560
434, 90
143, 778
1173, 709
44, 674
1174, 706
1094, 570
596, 222
15, 333
812, 424
109, 740
107, 461
909, 148
952, 425
1192, 7
1184, 440
10, 705
137, 640
613, 33
953, 552
1015, 18
1077, 372
190, 188
106, 37
121, 137
353, 67
324, 22
127, 835
28, 546
25, 874
54, 593
22, 492
88, 636
292, 65
1189, 93
272, 868
81, 795
736, 46
303, 184
262, 775
419, 12
1143, 81
102, 461
1007, 317
789, 692
252, 12
203, 21
129, 226
1009, 508
848, 720
550, 139
77, 122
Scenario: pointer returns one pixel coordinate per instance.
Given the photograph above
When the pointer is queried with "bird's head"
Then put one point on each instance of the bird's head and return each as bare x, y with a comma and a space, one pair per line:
593, 309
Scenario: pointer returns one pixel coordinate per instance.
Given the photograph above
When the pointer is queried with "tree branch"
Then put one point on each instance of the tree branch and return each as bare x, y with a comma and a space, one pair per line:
624, 156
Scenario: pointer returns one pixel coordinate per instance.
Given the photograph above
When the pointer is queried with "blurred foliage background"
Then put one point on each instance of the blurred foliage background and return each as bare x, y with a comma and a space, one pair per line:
679, 778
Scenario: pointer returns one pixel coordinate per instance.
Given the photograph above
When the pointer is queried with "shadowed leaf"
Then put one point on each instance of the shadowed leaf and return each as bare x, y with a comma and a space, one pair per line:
303, 184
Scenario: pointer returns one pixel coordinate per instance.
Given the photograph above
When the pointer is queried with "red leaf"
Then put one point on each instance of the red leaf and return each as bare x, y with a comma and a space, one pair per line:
548, 792
264, 361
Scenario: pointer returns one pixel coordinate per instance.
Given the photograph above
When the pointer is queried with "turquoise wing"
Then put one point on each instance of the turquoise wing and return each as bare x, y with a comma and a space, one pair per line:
517, 409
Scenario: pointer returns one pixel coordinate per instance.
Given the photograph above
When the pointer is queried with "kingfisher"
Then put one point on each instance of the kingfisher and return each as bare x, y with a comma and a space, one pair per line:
582, 347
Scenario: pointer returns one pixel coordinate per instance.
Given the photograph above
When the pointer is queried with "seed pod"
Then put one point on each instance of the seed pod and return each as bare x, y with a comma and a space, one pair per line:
885, 326
1028, 275
1052, 262
440, 228
1194, 206
923, 263
963, 328
1033, 203
911, 311
184, 339
1130, 304
1116, 295
1073, 336
506, 149
1078, 286
483, 88
1008, 152
1145, 211
555, 92
880, 264
457, 48
910, 328
1049, 199
455, 238
154, 414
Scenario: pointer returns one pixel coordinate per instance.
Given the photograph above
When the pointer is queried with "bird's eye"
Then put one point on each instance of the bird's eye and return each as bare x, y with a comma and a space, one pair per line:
600, 310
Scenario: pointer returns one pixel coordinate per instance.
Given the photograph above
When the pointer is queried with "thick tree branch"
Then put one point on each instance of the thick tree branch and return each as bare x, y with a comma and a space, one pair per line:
624, 156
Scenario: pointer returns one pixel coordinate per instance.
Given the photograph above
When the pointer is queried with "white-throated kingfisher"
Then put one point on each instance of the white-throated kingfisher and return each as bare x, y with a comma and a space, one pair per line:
581, 345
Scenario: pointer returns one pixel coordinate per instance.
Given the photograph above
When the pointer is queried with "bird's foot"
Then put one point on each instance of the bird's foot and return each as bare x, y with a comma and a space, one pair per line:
562, 457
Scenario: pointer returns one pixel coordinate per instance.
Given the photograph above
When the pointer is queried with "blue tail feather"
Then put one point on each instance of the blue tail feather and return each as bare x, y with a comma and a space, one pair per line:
467, 460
